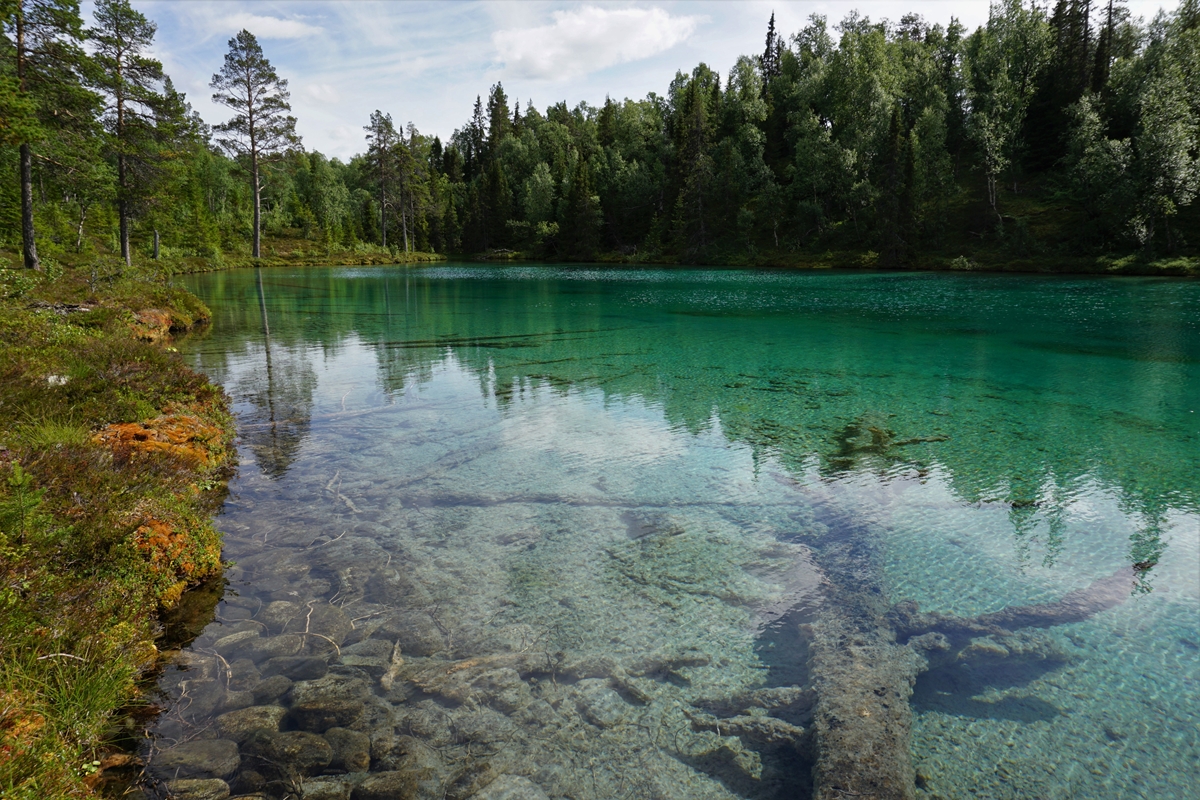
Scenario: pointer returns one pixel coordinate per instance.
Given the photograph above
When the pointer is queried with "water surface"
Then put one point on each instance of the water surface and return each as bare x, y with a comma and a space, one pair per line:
536, 521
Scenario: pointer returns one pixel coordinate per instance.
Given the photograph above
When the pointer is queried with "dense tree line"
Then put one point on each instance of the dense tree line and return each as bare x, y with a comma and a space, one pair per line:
900, 139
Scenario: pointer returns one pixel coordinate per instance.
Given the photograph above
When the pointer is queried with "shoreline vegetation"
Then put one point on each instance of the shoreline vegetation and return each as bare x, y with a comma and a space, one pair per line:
114, 457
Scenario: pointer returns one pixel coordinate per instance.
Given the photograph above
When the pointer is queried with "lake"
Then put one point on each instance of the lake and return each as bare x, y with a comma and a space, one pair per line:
571, 531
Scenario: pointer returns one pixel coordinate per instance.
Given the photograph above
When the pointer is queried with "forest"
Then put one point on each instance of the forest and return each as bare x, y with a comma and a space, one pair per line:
1067, 134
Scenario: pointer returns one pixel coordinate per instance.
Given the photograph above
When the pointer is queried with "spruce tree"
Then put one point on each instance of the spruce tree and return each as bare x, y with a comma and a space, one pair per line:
499, 125
261, 130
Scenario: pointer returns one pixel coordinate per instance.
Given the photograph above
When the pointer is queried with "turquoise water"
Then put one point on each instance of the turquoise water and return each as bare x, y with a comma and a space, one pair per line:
529, 523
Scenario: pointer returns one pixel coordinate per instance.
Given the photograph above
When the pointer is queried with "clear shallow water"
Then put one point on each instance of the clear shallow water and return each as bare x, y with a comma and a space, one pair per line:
532, 522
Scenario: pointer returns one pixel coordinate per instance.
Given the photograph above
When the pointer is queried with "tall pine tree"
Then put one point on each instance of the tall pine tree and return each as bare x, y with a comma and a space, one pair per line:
261, 129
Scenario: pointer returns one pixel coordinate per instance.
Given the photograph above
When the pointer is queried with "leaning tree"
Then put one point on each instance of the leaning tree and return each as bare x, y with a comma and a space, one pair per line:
261, 129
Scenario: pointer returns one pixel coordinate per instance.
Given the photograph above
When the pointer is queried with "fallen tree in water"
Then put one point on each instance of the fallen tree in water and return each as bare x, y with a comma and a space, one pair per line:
864, 657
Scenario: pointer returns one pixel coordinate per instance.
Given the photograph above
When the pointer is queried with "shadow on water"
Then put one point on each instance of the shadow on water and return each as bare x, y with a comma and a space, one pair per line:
786, 773
956, 690
196, 609
782, 647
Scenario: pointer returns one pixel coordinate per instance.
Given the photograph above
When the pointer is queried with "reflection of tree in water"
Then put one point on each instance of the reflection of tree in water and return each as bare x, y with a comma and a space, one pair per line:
282, 395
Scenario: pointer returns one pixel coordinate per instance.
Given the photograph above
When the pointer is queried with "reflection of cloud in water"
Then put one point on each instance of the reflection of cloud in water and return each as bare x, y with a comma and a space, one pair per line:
586, 439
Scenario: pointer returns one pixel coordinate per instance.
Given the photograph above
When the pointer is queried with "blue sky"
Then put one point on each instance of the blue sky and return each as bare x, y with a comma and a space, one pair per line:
425, 62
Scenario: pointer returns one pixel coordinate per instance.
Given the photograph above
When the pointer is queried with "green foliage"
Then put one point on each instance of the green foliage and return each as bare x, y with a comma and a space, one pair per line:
19, 508
914, 140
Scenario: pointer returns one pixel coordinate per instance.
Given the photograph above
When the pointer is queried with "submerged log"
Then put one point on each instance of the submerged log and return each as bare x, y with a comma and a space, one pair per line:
865, 658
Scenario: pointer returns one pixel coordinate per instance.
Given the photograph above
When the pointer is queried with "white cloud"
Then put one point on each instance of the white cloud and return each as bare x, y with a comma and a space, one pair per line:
322, 93
589, 38
268, 27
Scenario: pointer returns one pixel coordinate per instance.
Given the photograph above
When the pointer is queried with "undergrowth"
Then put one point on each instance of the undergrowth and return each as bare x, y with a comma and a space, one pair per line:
113, 457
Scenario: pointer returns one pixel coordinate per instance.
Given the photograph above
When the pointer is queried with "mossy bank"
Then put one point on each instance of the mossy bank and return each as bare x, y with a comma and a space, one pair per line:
113, 460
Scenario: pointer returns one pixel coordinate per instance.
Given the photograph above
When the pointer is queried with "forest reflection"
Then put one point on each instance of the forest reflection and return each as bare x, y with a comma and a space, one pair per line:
1019, 391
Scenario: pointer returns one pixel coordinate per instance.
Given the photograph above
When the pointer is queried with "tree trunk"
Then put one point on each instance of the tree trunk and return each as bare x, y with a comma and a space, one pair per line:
257, 203
28, 245
123, 211
404, 224
156, 244
79, 228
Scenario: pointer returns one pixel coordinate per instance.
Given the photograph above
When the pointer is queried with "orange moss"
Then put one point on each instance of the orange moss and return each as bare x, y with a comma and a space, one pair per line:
183, 435
152, 324
177, 557
18, 725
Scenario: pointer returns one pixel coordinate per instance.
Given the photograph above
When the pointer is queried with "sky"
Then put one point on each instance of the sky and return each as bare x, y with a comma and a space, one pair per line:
425, 62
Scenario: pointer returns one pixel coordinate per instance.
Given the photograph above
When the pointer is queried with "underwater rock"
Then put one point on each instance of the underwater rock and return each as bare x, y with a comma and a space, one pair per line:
482, 724
322, 620
205, 758
791, 703
325, 789
271, 688
278, 613
191, 665
200, 698
273, 561
426, 719
296, 668
238, 725
248, 782
199, 789
374, 666
371, 647
298, 751
232, 701
472, 779
243, 675
378, 722
456, 680
385, 786
511, 787
414, 631
396, 588
234, 642
263, 649
351, 749
599, 703
759, 729
328, 702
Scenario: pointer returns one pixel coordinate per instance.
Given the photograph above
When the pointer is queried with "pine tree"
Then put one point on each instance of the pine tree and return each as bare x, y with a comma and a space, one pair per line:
261, 130
381, 141
128, 78
45, 37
